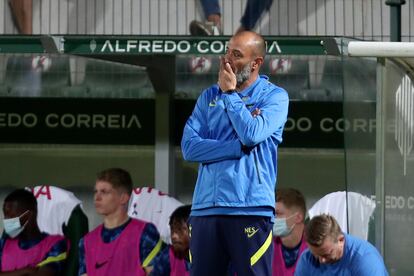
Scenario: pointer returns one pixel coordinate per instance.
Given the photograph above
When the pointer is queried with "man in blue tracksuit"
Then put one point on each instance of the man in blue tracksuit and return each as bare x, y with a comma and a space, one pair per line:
234, 132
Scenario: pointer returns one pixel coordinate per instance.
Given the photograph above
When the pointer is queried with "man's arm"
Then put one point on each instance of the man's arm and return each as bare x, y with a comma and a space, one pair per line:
161, 263
302, 267
82, 263
195, 145
55, 260
150, 245
77, 227
252, 130
22, 272
369, 264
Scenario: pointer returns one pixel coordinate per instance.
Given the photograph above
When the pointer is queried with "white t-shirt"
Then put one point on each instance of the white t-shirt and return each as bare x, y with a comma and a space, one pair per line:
360, 209
154, 206
54, 207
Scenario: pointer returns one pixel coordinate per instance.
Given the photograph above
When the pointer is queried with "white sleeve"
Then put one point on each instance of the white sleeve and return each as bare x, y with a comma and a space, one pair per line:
154, 206
54, 207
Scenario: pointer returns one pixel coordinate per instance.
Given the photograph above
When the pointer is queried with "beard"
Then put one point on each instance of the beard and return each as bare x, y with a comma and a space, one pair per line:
243, 75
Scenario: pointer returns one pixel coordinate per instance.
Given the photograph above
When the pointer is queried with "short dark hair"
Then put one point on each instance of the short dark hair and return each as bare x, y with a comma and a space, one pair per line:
24, 198
320, 227
291, 197
119, 178
181, 214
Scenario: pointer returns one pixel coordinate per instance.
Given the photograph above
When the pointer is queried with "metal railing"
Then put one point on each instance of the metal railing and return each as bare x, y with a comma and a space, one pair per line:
364, 19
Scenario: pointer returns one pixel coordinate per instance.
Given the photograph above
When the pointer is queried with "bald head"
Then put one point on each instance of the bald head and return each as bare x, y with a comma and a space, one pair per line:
253, 40
245, 53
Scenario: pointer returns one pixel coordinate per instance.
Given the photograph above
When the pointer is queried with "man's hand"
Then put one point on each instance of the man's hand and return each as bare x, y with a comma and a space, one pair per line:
27, 271
256, 112
246, 149
148, 270
226, 79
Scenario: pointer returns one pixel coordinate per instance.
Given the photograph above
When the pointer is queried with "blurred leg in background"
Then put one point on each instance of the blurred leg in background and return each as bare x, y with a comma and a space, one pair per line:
22, 15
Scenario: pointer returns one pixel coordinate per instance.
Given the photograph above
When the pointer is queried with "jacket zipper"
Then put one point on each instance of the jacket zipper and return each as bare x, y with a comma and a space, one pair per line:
257, 166
214, 192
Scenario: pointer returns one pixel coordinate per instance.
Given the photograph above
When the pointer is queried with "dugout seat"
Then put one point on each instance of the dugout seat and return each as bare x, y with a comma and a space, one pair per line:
353, 211
154, 206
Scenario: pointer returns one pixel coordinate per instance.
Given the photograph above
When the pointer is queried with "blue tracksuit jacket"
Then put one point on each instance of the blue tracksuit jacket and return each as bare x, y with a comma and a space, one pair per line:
214, 134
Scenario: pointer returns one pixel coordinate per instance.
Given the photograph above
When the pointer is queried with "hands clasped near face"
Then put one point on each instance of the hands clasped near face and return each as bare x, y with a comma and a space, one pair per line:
226, 78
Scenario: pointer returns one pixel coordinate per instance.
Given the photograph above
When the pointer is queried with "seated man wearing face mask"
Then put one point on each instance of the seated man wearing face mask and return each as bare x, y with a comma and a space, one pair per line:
24, 250
288, 231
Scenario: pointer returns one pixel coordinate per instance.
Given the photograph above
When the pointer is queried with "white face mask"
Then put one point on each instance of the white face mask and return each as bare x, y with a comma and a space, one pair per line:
280, 227
13, 227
